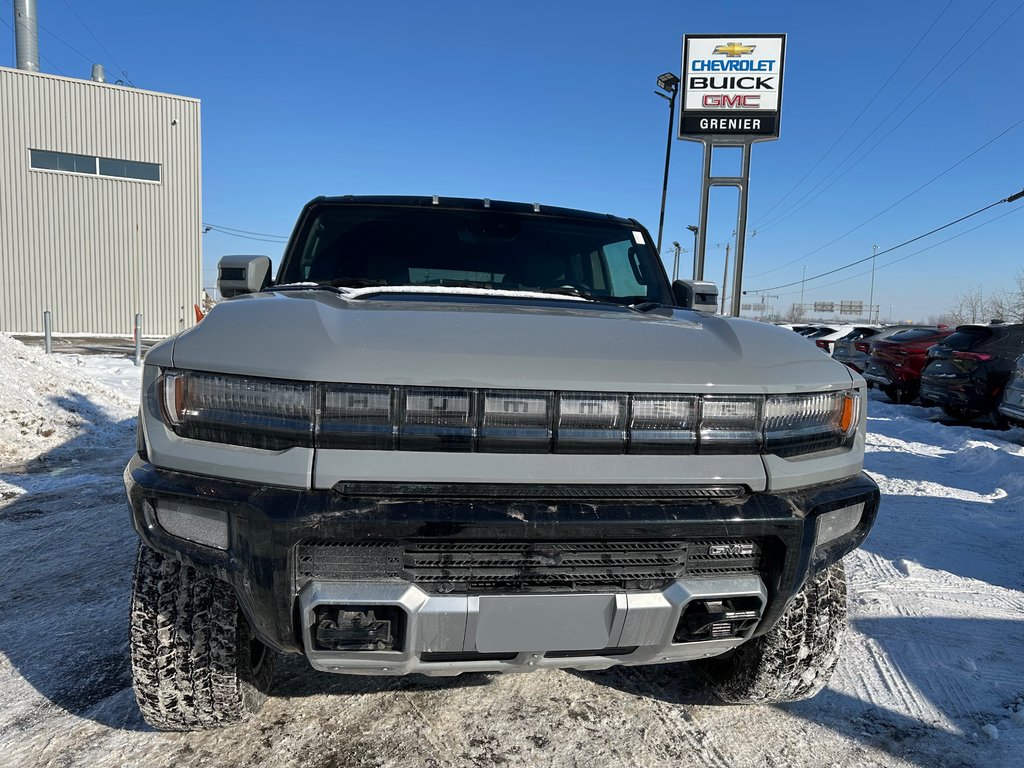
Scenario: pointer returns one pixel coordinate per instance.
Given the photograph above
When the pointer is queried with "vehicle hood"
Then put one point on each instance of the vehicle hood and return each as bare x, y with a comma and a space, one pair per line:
550, 344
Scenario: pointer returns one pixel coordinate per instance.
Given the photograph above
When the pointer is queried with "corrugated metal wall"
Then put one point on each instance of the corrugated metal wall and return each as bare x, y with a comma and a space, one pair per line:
96, 250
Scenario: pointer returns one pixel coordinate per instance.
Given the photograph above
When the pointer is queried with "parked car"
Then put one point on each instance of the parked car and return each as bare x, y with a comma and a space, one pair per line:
852, 350
894, 364
967, 372
826, 341
1012, 406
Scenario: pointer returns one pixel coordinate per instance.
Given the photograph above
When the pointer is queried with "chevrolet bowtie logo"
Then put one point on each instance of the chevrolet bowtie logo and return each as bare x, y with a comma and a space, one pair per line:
734, 49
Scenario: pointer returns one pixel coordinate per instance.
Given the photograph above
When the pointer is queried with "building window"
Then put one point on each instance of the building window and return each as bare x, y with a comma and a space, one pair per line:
129, 169
63, 161
102, 166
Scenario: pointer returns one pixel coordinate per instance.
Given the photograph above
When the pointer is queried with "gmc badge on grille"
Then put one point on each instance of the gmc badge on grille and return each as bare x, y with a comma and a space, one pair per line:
731, 550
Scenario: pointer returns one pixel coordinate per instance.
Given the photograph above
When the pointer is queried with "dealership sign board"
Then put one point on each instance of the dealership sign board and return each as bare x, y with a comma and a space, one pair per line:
732, 87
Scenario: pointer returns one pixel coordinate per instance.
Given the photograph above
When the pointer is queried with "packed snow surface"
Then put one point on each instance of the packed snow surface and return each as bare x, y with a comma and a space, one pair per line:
932, 673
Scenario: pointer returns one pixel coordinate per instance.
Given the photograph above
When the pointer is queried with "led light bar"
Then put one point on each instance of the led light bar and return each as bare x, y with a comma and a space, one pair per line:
730, 425
663, 424
437, 420
515, 422
591, 422
357, 417
274, 415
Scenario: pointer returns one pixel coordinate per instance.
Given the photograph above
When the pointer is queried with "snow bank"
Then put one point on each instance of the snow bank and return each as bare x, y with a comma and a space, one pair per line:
45, 403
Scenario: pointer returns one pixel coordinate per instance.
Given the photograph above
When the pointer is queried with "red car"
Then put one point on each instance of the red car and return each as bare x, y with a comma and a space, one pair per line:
895, 364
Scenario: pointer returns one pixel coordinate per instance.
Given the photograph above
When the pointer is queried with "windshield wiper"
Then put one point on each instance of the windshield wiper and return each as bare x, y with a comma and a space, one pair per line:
335, 285
356, 282
649, 306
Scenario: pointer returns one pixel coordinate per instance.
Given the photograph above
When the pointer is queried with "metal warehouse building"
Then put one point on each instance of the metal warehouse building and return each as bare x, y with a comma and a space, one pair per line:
100, 213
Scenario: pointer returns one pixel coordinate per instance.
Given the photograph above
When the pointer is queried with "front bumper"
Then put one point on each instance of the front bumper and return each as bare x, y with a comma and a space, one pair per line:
272, 530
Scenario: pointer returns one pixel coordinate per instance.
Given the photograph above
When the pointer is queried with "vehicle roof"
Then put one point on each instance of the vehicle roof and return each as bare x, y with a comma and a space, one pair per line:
469, 204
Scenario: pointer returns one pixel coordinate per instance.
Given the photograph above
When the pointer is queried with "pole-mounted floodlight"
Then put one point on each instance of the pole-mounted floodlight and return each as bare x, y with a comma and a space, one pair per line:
670, 84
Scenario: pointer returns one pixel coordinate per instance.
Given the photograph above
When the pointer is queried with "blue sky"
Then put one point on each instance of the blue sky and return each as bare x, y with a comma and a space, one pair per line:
554, 103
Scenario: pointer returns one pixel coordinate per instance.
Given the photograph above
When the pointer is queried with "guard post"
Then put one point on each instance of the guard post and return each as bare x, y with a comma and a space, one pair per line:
732, 97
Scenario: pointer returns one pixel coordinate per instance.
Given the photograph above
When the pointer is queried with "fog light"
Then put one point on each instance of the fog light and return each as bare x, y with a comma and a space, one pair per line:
202, 525
838, 523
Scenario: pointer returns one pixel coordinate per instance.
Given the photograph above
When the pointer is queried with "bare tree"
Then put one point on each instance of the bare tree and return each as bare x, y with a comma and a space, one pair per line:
795, 313
969, 306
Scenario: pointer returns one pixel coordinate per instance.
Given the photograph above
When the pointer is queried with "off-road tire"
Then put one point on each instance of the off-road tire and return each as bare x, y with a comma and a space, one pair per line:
794, 659
195, 663
960, 414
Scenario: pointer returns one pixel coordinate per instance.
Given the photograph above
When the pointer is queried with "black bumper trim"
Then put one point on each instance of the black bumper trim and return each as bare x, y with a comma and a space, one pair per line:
268, 523
590, 491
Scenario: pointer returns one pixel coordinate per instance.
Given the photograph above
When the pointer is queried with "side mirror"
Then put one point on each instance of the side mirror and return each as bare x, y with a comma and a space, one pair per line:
242, 274
696, 294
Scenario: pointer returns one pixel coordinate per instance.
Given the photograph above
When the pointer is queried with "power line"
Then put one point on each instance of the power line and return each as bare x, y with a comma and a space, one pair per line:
244, 234
907, 196
1009, 199
915, 253
53, 66
64, 42
104, 49
862, 111
811, 195
242, 231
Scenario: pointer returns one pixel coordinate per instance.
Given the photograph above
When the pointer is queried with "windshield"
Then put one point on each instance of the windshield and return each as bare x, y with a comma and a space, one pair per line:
358, 246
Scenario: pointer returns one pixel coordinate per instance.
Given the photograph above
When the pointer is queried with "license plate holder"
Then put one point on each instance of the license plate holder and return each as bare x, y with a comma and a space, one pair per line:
517, 623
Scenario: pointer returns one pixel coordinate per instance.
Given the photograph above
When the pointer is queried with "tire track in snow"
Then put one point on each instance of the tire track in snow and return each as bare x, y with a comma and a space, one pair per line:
875, 677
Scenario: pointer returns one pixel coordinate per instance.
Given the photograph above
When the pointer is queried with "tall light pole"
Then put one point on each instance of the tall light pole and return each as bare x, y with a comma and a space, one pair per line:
725, 277
668, 83
677, 248
803, 279
695, 229
871, 298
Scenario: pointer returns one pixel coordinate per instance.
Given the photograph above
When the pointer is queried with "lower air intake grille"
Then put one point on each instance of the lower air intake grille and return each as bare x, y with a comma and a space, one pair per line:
443, 567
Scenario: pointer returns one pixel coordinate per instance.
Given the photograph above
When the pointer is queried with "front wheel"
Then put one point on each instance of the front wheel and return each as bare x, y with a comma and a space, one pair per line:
195, 662
960, 414
794, 659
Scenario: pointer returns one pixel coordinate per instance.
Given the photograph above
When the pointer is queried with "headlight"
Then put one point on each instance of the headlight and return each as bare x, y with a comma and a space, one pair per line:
255, 413
798, 424
273, 414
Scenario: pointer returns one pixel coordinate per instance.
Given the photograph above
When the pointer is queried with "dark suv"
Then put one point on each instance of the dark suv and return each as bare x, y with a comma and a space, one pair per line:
967, 372
894, 364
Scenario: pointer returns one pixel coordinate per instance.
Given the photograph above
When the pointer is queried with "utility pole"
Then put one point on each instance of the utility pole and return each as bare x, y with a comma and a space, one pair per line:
675, 264
696, 246
725, 276
803, 279
871, 299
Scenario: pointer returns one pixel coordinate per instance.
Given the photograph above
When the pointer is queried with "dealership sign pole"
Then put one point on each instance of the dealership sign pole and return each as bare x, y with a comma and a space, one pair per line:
732, 97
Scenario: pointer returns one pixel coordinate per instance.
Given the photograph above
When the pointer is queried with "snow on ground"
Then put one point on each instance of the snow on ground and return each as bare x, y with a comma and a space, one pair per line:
47, 401
932, 674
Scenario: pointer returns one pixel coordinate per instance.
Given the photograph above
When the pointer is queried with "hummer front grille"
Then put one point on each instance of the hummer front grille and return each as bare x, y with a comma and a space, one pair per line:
448, 567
